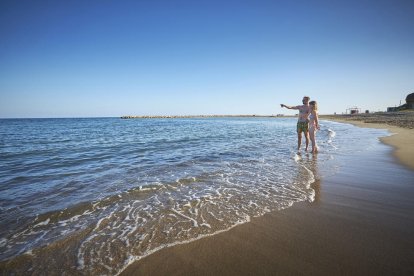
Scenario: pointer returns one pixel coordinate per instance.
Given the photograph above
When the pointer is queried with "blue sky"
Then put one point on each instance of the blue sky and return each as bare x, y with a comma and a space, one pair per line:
112, 58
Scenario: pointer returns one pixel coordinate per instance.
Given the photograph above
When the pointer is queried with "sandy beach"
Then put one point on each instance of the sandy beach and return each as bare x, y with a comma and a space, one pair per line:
361, 223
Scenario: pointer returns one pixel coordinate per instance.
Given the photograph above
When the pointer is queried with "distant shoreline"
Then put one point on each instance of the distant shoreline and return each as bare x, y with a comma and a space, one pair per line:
200, 116
403, 119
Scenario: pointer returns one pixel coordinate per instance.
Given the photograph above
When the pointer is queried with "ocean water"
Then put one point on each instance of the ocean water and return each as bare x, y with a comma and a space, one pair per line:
89, 196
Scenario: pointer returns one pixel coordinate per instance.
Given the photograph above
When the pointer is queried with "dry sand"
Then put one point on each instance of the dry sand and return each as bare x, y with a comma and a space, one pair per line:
361, 223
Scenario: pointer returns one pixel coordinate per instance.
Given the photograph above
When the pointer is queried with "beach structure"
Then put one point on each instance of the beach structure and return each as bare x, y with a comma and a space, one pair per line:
409, 104
410, 101
353, 110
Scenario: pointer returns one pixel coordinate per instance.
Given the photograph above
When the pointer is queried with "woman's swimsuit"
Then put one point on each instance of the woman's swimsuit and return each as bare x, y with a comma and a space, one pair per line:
312, 122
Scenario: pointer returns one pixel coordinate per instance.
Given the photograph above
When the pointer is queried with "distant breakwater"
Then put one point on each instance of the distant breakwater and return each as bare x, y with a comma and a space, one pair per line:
194, 116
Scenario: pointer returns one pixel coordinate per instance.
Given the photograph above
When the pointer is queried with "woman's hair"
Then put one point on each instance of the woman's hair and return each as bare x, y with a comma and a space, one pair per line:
315, 104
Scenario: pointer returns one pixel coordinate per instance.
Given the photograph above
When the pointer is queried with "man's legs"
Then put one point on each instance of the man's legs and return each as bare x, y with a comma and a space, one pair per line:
307, 139
299, 139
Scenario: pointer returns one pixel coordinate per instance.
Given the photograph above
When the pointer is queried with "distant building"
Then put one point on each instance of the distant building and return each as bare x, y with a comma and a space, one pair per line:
410, 101
409, 104
353, 110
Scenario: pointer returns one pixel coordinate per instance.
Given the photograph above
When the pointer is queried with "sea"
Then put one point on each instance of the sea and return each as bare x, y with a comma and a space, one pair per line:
88, 196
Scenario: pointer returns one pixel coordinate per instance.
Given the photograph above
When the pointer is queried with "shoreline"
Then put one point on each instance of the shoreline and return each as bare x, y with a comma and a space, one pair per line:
359, 224
401, 131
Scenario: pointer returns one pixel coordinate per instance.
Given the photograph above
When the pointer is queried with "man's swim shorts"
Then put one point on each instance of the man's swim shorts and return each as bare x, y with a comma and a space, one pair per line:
302, 127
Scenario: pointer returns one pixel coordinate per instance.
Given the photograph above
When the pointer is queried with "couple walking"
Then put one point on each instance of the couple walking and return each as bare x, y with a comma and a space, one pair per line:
308, 122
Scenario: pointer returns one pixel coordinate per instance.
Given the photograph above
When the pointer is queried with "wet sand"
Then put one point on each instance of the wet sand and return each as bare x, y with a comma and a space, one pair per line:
361, 223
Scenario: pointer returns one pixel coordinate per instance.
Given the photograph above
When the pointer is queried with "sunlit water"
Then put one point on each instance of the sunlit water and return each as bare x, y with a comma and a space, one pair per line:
97, 194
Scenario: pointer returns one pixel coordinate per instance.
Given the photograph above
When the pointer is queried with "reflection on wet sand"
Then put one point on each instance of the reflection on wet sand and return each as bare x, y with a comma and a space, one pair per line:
316, 185
310, 163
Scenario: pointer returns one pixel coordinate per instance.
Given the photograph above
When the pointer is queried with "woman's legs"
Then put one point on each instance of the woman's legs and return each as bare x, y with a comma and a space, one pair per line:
312, 137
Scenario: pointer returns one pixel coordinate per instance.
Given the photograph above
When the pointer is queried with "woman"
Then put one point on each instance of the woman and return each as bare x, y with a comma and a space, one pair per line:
313, 125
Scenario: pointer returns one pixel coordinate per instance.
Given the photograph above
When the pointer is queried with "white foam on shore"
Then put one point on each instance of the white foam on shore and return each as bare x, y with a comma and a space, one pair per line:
193, 208
200, 213
133, 259
43, 223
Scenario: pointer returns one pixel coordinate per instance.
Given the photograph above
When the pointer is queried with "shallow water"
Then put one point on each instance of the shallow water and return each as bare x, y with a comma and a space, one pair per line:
99, 193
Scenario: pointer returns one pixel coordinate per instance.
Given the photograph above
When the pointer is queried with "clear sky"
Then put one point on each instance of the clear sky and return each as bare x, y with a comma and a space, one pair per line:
113, 58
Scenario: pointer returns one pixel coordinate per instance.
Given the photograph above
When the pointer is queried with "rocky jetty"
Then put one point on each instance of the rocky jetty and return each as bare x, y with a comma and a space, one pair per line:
189, 116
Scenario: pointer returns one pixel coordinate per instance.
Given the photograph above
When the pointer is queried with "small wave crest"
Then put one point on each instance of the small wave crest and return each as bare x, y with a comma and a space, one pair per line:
141, 220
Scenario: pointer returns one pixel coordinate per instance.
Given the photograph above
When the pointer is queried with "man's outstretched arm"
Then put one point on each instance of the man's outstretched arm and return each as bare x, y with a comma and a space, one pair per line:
289, 107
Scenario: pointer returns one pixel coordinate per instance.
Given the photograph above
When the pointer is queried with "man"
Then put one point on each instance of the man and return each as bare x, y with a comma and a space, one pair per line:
303, 120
